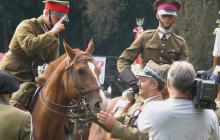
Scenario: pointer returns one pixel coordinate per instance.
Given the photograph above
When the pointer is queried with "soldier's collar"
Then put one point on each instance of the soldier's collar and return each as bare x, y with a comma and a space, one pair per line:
165, 31
166, 35
42, 24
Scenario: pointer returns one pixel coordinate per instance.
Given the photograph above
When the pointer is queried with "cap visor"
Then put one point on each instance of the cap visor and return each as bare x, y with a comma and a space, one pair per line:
167, 12
60, 15
143, 74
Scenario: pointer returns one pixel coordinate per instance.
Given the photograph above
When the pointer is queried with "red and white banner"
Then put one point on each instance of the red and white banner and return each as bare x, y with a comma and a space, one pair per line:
100, 63
136, 66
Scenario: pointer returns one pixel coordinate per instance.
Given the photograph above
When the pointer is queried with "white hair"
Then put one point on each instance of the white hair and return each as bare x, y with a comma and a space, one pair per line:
182, 75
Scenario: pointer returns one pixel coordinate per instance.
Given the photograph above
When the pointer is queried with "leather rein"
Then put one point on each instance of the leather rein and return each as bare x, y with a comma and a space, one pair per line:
76, 111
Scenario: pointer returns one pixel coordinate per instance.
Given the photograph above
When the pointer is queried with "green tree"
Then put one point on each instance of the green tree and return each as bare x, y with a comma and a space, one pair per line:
196, 22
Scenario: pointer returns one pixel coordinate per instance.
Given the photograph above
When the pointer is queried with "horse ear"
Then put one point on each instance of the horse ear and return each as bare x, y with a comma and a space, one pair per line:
68, 49
90, 47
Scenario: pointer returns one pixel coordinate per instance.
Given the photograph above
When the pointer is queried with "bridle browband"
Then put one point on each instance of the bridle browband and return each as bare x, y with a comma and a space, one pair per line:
74, 76
83, 111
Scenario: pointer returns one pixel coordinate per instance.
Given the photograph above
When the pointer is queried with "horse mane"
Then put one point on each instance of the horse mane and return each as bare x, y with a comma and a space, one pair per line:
41, 79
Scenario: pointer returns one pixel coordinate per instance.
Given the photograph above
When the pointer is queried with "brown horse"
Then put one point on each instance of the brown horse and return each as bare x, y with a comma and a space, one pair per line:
68, 83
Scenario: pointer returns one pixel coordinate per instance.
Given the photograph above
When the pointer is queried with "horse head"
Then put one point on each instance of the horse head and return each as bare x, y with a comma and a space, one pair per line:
81, 78
79, 81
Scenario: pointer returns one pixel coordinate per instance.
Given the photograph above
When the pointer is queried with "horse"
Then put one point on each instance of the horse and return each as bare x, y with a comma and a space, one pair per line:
68, 83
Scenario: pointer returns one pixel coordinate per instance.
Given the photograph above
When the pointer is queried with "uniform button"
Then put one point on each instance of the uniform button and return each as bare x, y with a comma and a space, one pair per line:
161, 63
160, 58
161, 51
163, 45
173, 50
151, 46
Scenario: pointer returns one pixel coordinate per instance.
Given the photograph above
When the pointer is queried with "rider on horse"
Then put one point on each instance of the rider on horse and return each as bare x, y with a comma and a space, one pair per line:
36, 41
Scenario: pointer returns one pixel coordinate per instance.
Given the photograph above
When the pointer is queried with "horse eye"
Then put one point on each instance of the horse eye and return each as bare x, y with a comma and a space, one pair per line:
80, 71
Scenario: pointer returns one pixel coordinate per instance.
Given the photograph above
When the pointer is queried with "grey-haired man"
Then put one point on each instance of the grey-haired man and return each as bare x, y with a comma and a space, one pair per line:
176, 118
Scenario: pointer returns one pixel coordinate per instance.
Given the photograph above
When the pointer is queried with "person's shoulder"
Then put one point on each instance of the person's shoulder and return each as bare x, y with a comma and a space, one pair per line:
178, 37
27, 24
18, 112
26, 21
153, 105
149, 31
209, 112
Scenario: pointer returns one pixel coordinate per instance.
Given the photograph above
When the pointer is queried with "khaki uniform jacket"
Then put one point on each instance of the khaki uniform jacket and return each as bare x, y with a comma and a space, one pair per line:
151, 47
31, 45
15, 124
127, 132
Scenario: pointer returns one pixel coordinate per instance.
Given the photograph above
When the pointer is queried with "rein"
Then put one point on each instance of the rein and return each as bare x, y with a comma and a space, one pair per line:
79, 111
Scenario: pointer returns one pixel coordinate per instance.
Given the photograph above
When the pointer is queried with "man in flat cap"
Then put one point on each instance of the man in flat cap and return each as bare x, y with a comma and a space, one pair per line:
160, 45
151, 81
36, 41
15, 124
176, 118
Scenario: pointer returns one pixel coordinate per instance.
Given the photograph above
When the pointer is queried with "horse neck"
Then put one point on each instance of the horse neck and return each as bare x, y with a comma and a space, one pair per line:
54, 89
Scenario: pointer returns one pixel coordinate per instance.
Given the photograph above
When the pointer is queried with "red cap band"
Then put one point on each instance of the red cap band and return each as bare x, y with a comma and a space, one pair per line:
167, 7
57, 7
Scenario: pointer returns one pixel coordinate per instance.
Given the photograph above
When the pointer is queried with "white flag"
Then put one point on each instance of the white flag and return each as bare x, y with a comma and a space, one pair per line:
216, 50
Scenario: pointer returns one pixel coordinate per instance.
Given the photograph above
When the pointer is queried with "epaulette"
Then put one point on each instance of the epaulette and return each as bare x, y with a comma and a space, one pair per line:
149, 31
179, 37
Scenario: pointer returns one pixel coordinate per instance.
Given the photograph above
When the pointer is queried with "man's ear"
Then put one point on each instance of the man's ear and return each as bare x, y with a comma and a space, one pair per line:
169, 84
155, 84
158, 17
45, 12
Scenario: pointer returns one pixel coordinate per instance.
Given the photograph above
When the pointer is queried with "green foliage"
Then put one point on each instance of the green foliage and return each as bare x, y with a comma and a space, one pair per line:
196, 23
110, 23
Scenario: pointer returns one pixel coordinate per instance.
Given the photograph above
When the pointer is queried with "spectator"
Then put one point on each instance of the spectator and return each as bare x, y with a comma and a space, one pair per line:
15, 123
176, 118
151, 81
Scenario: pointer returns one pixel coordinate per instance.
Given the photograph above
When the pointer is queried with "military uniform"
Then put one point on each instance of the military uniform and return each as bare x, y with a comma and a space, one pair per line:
151, 46
15, 123
30, 46
128, 130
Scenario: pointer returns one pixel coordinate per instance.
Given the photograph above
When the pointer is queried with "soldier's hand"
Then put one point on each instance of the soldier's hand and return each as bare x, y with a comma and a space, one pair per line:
59, 26
106, 119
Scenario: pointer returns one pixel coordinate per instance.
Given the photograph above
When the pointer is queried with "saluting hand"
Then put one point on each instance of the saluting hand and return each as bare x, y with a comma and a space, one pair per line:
59, 26
106, 119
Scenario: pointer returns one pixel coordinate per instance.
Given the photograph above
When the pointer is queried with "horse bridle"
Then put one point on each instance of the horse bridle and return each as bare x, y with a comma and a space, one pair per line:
74, 76
85, 114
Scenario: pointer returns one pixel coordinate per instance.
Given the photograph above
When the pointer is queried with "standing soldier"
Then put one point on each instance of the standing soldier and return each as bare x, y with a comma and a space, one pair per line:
36, 41
160, 45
